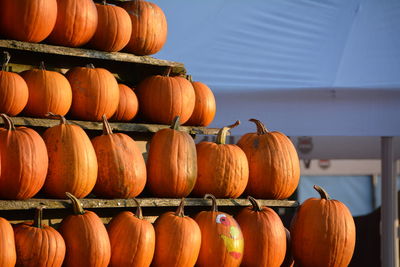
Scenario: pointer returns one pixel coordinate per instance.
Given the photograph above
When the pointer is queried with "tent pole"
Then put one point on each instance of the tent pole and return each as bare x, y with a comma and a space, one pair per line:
389, 216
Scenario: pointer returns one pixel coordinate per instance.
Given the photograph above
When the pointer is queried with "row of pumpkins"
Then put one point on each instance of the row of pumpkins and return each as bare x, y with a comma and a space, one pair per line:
138, 27
88, 93
64, 159
322, 234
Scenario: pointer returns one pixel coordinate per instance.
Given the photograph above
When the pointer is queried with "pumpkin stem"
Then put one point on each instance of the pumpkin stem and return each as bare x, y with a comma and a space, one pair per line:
167, 71
213, 200
181, 208
260, 127
139, 213
37, 222
254, 202
107, 130
322, 192
41, 66
90, 66
221, 137
8, 124
189, 78
76, 204
104, 2
6, 59
61, 117
175, 124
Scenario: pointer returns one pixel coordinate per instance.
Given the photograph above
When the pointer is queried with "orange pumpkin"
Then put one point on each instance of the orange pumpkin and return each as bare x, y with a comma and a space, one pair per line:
38, 245
178, 239
323, 233
7, 244
221, 238
264, 236
72, 161
13, 90
24, 161
132, 239
86, 238
76, 23
171, 162
122, 170
222, 168
49, 91
95, 92
128, 105
27, 20
273, 163
149, 27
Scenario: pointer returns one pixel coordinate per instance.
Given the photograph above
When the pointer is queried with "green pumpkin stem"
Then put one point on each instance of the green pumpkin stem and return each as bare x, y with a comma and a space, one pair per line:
6, 59
139, 213
167, 72
260, 127
322, 192
37, 221
8, 124
56, 116
104, 2
189, 78
107, 130
42, 66
221, 137
175, 124
254, 202
76, 204
181, 208
90, 66
213, 200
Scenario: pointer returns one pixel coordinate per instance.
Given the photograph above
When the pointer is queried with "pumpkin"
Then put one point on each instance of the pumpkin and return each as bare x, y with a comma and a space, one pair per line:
128, 104
86, 238
323, 232
95, 92
13, 90
27, 20
7, 244
178, 239
38, 245
274, 168
222, 168
49, 91
72, 160
76, 23
24, 161
114, 28
149, 27
288, 261
132, 239
204, 107
221, 238
122, 170
162, 98
264, 236
171, 162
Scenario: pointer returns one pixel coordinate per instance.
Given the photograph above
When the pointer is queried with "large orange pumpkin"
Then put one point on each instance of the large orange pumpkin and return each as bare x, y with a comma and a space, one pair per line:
76, 23
38, 245
132, 239
85, 237
264, 236
149, 27
24, 161
128, 105
273, 163
27, 20
222, 169
95, 92
172, 162
221, 238
7, 244
323, 233
13, 90
162, 98
72, 161
122, 170
49, 91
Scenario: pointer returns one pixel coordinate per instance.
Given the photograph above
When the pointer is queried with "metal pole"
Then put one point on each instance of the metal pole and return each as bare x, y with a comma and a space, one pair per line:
389, 217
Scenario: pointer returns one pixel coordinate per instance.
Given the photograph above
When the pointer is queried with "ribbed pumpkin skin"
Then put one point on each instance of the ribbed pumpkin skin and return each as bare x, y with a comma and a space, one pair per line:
49, 91
95, 92
7, 244
27, 20
149, 27
72, 161
76, 23
86, 241
114, 29
128, 105
274, 168
205, 106
13, 93
132, 241
163, 98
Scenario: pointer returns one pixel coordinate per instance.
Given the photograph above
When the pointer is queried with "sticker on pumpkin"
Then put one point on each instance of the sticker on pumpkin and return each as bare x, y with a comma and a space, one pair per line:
234, 241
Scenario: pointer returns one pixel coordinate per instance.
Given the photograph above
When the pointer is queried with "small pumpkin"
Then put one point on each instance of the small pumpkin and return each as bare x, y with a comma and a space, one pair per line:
274, 168
171, 162
132, 239
222, 168
128, 104
178, 239
323, 232
7, 244
85, 236
221, 238
38, 245
122, 170
264, 236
